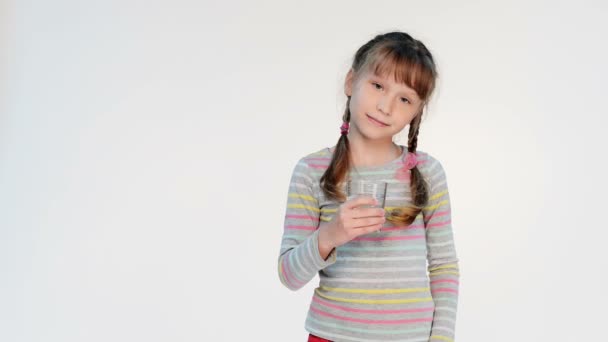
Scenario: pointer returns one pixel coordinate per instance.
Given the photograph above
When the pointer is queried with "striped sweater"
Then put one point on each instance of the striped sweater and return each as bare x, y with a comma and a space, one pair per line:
397, 284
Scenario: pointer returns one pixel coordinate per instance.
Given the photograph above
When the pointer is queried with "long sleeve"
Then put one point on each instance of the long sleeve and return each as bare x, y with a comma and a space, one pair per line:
299, 258
442, 259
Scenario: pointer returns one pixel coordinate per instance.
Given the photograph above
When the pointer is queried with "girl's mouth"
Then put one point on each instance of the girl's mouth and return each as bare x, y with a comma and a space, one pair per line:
376, 122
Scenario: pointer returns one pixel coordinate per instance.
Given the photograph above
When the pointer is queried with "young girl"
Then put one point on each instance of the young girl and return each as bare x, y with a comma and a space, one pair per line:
374, 284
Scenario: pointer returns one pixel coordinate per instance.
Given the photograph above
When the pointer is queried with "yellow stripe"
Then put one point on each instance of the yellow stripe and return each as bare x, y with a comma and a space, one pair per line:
439, 337
325, 218
305, 197
444, 266
302, 206
437, 195
329, 210
376, 291
436, 205
375, 301
445, 272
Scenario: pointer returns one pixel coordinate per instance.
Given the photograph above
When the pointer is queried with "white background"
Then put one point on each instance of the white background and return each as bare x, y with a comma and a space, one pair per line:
146, 149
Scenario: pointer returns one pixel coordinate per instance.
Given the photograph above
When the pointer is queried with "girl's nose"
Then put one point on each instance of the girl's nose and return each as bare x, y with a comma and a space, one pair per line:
384, 106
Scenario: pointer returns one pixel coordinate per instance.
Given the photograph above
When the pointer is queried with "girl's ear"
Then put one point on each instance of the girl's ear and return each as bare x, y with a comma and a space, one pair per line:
348, 83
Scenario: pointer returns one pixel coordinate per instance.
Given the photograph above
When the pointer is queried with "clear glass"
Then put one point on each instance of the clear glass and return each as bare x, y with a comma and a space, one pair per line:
377, 189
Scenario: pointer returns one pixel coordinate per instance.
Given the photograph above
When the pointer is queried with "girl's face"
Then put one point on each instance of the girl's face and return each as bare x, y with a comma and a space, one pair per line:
379, 107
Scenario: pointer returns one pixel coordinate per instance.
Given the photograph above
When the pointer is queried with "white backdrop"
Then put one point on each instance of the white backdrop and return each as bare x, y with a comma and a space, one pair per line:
146, 149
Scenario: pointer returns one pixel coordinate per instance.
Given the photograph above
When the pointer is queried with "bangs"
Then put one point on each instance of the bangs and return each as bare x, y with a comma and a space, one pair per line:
406, 69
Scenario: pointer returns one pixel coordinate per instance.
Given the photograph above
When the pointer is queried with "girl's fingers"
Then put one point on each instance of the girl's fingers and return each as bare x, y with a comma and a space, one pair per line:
368, 222
359, 213
369, 229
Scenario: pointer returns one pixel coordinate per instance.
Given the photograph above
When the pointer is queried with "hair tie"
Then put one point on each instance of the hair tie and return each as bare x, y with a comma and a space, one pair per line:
411, 160
344, 128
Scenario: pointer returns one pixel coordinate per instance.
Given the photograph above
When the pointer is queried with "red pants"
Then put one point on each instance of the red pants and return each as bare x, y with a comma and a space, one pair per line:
313, 338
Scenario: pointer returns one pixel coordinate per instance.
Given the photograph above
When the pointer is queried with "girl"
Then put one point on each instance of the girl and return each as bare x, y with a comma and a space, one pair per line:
374, 284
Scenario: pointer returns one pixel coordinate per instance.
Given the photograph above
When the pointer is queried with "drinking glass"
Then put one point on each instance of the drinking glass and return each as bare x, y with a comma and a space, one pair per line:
361, 187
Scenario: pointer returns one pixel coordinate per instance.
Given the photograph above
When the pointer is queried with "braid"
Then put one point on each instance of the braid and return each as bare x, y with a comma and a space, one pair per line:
418, 186
339, 164
412, 138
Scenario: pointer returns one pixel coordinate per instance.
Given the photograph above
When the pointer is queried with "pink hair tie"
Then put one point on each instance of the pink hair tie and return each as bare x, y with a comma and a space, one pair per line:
344, 128
410, 160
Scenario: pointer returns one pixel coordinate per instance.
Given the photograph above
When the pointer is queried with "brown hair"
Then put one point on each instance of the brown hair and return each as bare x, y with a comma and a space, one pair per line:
411, 63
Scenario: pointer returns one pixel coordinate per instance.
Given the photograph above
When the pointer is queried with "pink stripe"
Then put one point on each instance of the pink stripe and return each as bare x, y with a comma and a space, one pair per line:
439, 213
372, 321
301, 227
389, 238
443, 289
308, 217
379, 312
439, 224
413, 226
324, 166
444, 281
318, 158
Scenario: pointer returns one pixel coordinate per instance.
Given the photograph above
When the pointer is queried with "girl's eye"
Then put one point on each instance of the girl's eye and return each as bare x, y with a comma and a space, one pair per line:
377, 85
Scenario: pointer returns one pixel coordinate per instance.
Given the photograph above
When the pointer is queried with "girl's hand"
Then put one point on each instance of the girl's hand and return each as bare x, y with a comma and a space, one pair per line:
350, 221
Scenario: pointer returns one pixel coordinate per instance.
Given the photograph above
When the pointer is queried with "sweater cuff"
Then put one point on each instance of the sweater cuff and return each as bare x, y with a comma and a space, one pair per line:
314, 246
